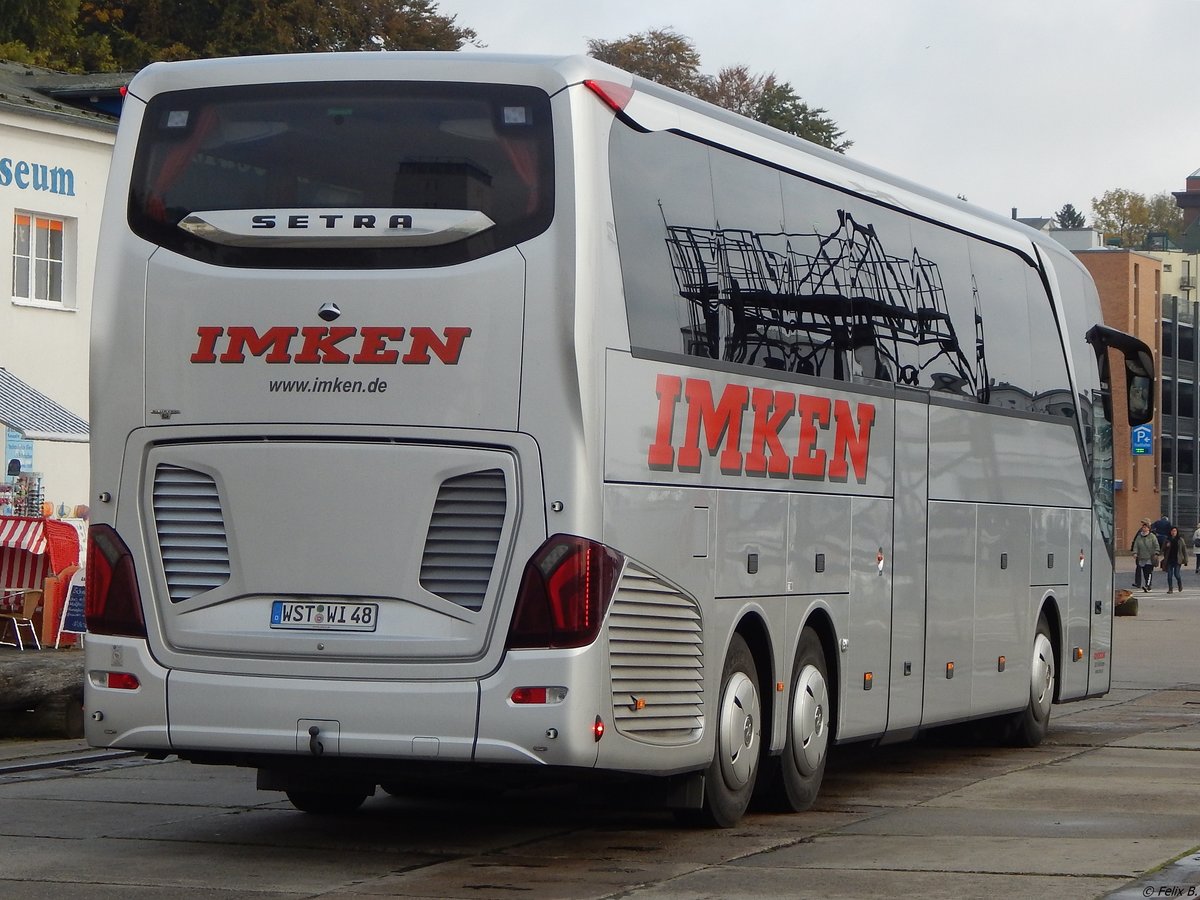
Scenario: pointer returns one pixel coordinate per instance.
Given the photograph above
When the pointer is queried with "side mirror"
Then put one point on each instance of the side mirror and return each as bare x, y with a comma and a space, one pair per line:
1139, 371
1139, 378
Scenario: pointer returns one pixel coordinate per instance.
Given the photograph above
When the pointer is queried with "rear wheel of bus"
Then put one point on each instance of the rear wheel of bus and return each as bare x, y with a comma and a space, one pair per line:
729, 780
795, 776
327, 802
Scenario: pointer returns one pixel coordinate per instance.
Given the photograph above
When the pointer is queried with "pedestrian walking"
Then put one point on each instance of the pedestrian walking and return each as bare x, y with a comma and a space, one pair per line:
1195, 545
1175, 557
1161, 529
1145, 554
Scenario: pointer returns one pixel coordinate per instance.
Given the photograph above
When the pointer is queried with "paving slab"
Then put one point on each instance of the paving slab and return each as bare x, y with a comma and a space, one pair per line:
738, 883
1078, 857
1025, 822
188, 866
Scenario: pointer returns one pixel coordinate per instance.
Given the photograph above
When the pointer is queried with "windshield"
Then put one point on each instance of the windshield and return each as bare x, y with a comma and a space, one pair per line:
345, 147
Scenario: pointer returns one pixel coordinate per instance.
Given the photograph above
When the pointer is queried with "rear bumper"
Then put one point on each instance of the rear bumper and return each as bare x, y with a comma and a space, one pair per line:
236, 716
242, 719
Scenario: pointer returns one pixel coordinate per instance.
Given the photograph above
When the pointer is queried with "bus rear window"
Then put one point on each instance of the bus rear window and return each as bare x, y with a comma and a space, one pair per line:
337, 151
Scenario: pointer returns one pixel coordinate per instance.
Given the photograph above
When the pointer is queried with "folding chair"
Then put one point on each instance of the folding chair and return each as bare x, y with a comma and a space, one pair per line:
20, 618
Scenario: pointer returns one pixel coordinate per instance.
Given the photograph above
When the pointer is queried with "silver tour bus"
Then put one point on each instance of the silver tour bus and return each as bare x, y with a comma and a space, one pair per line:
466, 415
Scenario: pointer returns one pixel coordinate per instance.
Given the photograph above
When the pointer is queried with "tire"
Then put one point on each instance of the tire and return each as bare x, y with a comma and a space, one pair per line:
324, 803
1029, 727
729, 780
796, 775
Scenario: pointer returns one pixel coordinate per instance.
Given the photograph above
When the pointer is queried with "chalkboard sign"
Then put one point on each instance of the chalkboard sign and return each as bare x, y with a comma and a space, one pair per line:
73, 620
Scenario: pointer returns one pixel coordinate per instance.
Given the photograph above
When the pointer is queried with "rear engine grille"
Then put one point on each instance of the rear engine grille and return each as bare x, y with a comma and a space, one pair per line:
464, 537
657, 654
191, 531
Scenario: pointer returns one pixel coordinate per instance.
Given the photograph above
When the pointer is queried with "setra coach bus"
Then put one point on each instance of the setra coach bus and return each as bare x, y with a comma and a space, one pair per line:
462, 414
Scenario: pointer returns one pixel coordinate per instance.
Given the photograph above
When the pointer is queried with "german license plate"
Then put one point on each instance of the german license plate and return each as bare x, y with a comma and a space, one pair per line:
324, 615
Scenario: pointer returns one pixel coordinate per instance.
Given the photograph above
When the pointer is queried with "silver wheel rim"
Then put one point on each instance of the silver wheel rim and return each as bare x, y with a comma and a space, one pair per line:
810, 725
1041, 685
739, 733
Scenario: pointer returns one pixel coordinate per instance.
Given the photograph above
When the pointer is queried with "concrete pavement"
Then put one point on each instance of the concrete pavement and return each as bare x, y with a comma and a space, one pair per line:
1113, 792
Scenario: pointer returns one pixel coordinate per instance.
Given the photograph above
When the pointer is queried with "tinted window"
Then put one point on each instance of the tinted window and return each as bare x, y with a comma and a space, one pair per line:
727, 258
850, 265
1185, 456
953, 350
345, 147
1187, 399
664, 219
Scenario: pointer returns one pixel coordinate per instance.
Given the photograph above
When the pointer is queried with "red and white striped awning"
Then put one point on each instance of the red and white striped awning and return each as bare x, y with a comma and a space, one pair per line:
32, 549
23, 533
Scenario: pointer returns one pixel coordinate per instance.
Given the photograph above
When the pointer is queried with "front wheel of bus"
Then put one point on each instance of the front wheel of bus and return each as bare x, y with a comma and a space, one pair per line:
729, 781
1030, 726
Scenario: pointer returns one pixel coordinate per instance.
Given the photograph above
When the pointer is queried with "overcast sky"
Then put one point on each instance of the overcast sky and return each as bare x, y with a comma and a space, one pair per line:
1025, 103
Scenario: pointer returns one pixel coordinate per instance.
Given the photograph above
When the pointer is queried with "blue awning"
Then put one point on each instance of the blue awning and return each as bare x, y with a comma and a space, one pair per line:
35, 416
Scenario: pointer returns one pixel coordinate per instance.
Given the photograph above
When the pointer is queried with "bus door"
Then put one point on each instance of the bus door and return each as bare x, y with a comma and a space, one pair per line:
908, 564
1087, 628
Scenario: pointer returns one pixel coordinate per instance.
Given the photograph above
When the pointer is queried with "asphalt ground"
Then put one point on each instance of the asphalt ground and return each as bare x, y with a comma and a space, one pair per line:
1120, 772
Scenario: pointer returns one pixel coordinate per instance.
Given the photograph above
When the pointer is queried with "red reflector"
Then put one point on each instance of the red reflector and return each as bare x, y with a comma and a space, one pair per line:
124, 90
617, 96
598, 729
529, 695
123, 681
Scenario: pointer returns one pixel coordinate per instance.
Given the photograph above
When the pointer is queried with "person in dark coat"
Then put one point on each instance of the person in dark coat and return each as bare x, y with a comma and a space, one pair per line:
1175, 554
1161, 529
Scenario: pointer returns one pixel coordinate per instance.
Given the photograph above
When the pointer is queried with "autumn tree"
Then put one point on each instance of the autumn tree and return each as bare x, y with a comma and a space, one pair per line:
46, 33
660, 54
105, 35
1069, 217
1130, 216
779, 107
669, 58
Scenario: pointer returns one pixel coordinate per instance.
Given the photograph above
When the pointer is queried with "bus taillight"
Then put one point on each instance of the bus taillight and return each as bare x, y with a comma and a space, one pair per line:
565, 593
113, 603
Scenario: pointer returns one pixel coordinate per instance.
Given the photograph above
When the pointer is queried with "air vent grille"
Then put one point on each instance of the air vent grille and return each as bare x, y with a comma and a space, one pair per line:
191, 531
657, 654
464, 537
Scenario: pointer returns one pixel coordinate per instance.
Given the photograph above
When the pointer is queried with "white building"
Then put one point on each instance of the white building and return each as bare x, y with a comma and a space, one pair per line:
54, 160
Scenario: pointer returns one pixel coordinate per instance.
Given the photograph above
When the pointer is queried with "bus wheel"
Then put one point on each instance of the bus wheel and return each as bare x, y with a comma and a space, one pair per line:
729, 781
802, 764
1027, 728
326, 802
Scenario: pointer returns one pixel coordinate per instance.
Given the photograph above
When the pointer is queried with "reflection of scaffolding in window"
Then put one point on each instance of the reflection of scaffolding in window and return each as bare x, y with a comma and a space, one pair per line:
801, 301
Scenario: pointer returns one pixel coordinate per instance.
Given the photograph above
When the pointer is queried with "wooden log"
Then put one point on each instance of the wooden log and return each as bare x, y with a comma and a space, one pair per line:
41, 693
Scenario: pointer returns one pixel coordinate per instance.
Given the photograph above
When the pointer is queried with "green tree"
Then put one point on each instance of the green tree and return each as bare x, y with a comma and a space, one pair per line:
660, 54
104, 35
1130, 216
1166, 216
779, 107
46, 33
1069, 217
671, 59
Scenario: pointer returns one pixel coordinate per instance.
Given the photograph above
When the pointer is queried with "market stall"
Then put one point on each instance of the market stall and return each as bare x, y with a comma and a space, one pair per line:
32, 549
